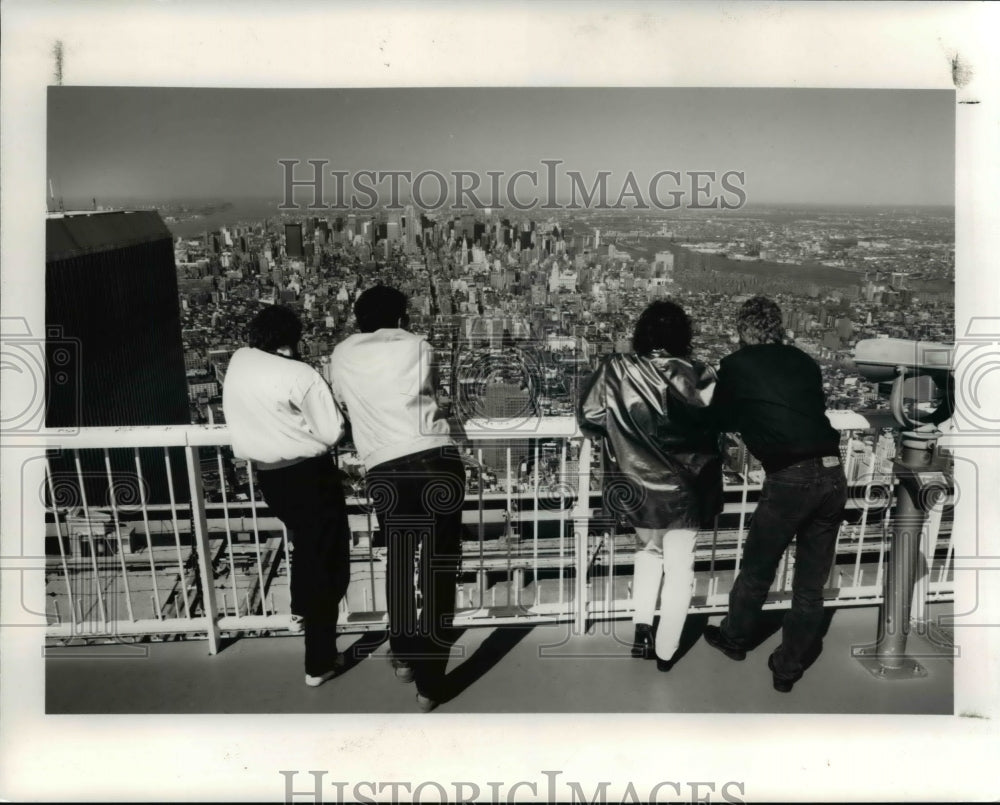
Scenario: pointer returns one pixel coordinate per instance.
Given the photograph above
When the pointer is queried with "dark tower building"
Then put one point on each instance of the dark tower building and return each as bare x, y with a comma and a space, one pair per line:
293, 240
111, 287
113, 348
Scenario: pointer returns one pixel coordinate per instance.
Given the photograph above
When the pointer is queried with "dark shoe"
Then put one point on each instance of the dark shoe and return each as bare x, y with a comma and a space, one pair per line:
780, 684
664, 665
402, 669
642, 645
715, 638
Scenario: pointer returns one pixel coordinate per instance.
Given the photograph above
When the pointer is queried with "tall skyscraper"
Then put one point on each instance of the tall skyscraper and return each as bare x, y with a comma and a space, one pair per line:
411, 224
111, 287
393, 227
293, 240
113, 349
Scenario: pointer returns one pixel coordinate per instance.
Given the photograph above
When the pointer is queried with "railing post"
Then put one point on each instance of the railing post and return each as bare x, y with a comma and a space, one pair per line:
581, 522
919, 476
199, 528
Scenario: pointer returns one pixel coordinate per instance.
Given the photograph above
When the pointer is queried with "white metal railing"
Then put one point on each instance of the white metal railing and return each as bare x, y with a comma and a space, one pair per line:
206, 558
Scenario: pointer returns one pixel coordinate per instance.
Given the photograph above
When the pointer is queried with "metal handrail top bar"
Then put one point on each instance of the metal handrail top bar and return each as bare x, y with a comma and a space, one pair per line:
479, 429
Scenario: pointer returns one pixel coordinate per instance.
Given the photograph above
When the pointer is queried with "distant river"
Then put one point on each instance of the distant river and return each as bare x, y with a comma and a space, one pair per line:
248, 210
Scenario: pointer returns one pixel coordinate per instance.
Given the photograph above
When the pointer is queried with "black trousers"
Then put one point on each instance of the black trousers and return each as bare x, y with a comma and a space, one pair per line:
418, 502
806, 502
309, 499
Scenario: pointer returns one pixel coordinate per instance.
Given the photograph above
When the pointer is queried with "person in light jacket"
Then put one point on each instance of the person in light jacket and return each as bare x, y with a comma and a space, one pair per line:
282, 416
663, 470
383, 377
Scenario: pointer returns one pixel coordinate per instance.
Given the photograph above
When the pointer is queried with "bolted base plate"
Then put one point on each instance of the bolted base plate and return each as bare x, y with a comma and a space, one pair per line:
903, 667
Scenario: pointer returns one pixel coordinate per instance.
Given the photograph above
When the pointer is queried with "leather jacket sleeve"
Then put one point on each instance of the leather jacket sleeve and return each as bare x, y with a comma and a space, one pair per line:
592, 408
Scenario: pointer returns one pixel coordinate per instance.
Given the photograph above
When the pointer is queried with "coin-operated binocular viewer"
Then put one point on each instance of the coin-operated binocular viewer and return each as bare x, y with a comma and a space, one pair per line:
923, 483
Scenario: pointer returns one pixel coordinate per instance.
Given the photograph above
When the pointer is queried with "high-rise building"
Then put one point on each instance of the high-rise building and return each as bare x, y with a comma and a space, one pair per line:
293, 240
113, 347
111, 287
393, 227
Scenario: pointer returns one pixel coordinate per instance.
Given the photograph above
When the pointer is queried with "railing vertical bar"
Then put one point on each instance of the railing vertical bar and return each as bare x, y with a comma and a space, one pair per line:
225, 517
580, 528
562, 514
93, 546
509, 528
779, 577
508, 482
149, 534
481, 572
857, 558
285, 544
199, 535
62, 548
743, 510
836, 553
371, 554
256, 542
534, 543
949, 556
177, 533
864, 523
609, 574
715, 545
881, 555
113, 500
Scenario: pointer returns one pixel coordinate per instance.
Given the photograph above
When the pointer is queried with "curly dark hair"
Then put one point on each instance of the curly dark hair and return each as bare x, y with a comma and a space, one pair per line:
275, 326
379, 306
759, 321
663, 325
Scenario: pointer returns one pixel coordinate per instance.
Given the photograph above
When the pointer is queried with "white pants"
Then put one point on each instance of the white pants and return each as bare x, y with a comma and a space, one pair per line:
664, 569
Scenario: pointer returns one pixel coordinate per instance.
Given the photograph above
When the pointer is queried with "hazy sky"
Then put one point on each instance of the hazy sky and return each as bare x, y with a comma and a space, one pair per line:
794, 145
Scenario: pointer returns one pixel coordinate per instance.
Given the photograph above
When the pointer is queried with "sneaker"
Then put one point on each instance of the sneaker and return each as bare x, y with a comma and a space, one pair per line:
316, 681
295, 623
425, 704
715, 638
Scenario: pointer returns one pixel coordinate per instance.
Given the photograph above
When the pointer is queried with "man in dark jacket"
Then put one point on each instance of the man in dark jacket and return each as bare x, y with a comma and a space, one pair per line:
772, 394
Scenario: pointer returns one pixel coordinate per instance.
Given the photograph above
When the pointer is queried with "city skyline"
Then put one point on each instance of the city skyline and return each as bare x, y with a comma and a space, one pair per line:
794, 146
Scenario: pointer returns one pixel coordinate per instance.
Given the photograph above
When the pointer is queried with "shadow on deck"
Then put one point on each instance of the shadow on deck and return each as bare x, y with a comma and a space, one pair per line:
539, 669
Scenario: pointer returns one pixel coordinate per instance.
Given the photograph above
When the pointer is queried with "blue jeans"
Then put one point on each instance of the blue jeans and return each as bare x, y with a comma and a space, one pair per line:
806, 502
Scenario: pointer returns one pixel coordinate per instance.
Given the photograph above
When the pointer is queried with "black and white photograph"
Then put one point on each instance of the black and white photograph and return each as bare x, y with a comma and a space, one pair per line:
513, 422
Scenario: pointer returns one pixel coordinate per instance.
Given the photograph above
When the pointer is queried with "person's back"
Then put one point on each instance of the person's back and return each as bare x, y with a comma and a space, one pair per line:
662, 467
772, 394
384, 378
275, 408
652, 410
282, 416
416, 481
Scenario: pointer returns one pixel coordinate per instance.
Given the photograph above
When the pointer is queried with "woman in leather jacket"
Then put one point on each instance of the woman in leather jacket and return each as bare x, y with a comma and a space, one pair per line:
663, 469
